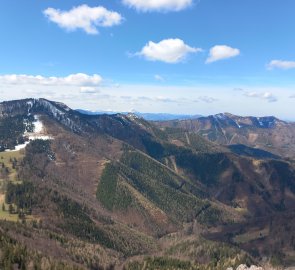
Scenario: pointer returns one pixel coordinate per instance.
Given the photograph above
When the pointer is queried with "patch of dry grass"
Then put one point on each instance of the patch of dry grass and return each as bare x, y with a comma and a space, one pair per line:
6, 158
251, 235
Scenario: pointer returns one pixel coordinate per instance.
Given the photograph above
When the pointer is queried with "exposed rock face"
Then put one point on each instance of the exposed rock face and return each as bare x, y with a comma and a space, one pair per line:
254, 267
245, 267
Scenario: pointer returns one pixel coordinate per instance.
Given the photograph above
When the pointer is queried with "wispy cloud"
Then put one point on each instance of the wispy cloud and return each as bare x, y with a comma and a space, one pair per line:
159, 78
168, 50
220, 52
280, 64
264, 95
79, 79
158, 5
160, 99
89, 90
268, 96
207, 99
165, 99
84, 17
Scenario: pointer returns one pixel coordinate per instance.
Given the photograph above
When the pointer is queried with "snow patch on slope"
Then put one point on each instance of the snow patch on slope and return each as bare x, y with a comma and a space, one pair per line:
37, 134
220, 116
39, 131
18, 147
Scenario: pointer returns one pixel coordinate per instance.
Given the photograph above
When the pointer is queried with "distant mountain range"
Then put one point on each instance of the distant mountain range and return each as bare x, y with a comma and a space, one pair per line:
146, 116
268, 133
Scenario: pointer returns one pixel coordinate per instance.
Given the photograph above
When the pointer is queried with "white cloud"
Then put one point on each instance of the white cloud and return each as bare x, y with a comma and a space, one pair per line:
159, 78
220, 52
158, 5
84, 17
79, 79
252, 94
281, 64
268, 96
292, 96
157, 98
168, 51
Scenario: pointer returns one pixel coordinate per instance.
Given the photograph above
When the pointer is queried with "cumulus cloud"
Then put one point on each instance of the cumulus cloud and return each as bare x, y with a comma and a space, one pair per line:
79, 79
268, 96
280, 64
158, 5
220, 52
84, 17
168, 50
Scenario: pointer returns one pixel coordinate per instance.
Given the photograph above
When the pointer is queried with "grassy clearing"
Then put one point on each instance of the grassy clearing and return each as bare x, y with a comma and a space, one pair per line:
14, 154
10, 160
251, 236
6, 158
5, 215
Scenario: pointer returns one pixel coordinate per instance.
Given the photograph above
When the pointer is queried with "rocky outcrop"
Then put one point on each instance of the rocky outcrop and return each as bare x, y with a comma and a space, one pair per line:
254, 267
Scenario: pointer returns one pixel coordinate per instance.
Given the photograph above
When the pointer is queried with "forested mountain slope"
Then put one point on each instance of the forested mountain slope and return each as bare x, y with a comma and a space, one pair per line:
113, 191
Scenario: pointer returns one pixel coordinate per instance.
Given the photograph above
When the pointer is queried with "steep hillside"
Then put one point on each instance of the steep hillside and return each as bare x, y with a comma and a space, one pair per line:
105, 191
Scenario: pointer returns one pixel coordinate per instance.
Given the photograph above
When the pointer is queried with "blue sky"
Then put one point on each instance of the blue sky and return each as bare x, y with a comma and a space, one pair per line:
176, 56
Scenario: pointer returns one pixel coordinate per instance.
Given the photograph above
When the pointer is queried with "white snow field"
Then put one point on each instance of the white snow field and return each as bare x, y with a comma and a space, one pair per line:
37, 134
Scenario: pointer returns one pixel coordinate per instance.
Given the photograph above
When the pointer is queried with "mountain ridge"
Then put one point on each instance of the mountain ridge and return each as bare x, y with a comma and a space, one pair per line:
120, 184
267, 133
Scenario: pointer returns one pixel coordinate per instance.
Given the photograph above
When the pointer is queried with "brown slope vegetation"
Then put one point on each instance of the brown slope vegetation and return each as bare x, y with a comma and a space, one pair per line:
268, 133
65, 180
106, 188
255, 185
